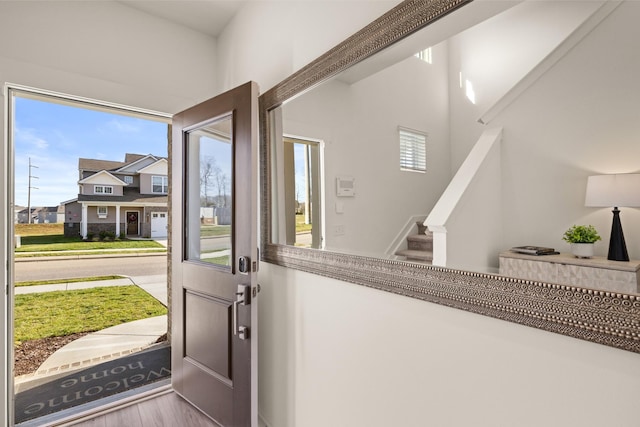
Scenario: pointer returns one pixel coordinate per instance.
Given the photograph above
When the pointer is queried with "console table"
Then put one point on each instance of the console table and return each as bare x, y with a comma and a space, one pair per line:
566, 269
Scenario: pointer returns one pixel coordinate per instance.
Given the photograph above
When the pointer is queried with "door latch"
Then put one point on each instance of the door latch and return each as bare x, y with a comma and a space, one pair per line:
243, 297
244, 264
243, 333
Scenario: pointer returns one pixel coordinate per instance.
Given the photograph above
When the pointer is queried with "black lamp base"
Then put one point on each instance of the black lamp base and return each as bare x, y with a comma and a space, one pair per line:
617, 245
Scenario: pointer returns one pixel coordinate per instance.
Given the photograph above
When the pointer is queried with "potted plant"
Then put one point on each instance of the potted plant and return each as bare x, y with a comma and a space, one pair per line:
581, 238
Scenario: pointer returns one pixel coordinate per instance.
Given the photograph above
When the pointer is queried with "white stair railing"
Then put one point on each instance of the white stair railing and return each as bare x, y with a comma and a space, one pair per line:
466, 220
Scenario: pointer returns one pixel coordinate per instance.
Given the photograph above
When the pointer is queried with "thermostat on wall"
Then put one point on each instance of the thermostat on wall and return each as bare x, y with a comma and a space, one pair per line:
345, 186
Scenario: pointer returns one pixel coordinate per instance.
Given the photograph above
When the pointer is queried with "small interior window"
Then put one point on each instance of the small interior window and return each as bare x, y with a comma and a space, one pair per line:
413, 150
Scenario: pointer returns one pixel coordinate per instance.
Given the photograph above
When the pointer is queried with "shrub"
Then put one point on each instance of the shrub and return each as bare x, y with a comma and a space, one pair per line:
107, 235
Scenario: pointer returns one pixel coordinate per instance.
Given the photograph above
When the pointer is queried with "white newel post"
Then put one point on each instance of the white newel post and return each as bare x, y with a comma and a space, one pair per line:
439, 245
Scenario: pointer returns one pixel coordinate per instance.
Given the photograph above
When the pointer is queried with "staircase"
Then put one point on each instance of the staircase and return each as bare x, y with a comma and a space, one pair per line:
419, 246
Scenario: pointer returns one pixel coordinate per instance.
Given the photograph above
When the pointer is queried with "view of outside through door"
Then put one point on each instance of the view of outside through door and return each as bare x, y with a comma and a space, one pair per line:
210, 159
90, 260
303, 190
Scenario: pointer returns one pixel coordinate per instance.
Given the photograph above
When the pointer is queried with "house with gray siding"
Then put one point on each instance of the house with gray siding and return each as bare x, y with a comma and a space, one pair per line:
127, 198
39, 215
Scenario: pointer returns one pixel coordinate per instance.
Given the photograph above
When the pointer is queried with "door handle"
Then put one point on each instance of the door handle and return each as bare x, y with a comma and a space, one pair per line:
243, 297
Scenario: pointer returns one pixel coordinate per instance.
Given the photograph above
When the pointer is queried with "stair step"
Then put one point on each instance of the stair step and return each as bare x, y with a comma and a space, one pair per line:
422, 237
420, 242
413, 255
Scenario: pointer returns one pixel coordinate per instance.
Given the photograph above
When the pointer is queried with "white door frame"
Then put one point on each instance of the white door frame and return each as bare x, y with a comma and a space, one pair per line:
7, 215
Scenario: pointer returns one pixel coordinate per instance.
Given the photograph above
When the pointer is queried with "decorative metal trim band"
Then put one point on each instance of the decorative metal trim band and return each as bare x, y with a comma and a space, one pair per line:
602, 317
401, 21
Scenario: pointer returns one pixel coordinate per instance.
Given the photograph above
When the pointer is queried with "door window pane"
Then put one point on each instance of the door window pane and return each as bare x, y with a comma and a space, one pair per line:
209, 192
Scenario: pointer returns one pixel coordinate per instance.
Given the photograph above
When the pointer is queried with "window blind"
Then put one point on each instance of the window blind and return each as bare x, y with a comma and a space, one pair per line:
413, 155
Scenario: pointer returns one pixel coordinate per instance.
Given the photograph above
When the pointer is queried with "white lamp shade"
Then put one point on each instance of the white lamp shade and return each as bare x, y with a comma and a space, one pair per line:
616, 190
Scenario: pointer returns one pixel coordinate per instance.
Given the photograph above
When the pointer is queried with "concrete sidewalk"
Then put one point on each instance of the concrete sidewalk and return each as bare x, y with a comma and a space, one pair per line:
155, 285
110, 343
95, 253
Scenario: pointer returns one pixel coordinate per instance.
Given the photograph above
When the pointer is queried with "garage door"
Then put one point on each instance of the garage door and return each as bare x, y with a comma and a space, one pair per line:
158, 224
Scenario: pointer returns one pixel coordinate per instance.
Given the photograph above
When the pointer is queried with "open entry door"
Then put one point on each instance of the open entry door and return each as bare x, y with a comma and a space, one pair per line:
214, 256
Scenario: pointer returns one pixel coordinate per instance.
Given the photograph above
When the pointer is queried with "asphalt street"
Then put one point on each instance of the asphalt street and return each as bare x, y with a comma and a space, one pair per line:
71, 268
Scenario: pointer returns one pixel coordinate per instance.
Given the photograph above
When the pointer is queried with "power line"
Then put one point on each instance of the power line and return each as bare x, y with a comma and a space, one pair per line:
29, 192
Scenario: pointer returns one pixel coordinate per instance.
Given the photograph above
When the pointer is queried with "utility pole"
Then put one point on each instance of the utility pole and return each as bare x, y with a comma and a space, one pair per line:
29, 192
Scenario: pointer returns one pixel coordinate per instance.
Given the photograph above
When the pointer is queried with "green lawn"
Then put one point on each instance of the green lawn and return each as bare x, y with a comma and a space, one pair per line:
222, 260
214, 230
53, 314
60, 253
38, 229
55, 243
225, 230
79, 279
301, 227
61, 313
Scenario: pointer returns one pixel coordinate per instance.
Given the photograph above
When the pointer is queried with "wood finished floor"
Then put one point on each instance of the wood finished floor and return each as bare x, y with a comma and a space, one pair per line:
168, 410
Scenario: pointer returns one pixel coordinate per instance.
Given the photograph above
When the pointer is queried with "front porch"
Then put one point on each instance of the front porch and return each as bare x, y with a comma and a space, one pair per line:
115, 220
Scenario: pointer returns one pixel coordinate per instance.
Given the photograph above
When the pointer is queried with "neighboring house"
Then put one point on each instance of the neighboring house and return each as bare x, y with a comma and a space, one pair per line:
126, 198
39, 215
60, 214
17, 210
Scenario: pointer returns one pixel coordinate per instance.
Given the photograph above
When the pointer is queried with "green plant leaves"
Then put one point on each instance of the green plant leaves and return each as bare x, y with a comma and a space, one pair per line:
581, 234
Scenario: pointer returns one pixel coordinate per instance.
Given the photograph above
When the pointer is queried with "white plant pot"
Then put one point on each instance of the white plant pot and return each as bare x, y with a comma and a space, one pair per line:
582, 250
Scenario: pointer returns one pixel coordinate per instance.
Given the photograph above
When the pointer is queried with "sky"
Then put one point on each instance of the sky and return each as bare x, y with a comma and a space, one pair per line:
298, 159
54, 136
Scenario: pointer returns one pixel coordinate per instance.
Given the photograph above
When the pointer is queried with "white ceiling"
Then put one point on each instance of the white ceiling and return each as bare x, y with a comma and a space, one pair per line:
207, 16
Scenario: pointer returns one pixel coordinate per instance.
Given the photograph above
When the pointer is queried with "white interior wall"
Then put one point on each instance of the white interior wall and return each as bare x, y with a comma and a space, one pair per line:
579, 119
107, 51
495, 54
337, 354
268, 41
359, 126
332, 353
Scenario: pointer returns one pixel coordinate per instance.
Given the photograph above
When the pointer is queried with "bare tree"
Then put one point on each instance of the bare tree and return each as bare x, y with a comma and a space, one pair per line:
211, 175
208, 171
222, 183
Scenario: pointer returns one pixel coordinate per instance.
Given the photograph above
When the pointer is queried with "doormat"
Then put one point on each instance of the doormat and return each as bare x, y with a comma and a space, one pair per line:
94, 383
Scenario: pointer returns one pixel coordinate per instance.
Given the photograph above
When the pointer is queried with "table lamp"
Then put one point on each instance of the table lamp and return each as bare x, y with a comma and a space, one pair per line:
616, 190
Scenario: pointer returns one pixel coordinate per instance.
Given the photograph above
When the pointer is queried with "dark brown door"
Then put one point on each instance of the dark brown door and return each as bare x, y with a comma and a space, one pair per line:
132, 223
214, 256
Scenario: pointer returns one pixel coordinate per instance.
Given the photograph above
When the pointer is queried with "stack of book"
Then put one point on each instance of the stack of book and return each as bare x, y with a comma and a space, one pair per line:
534, 250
